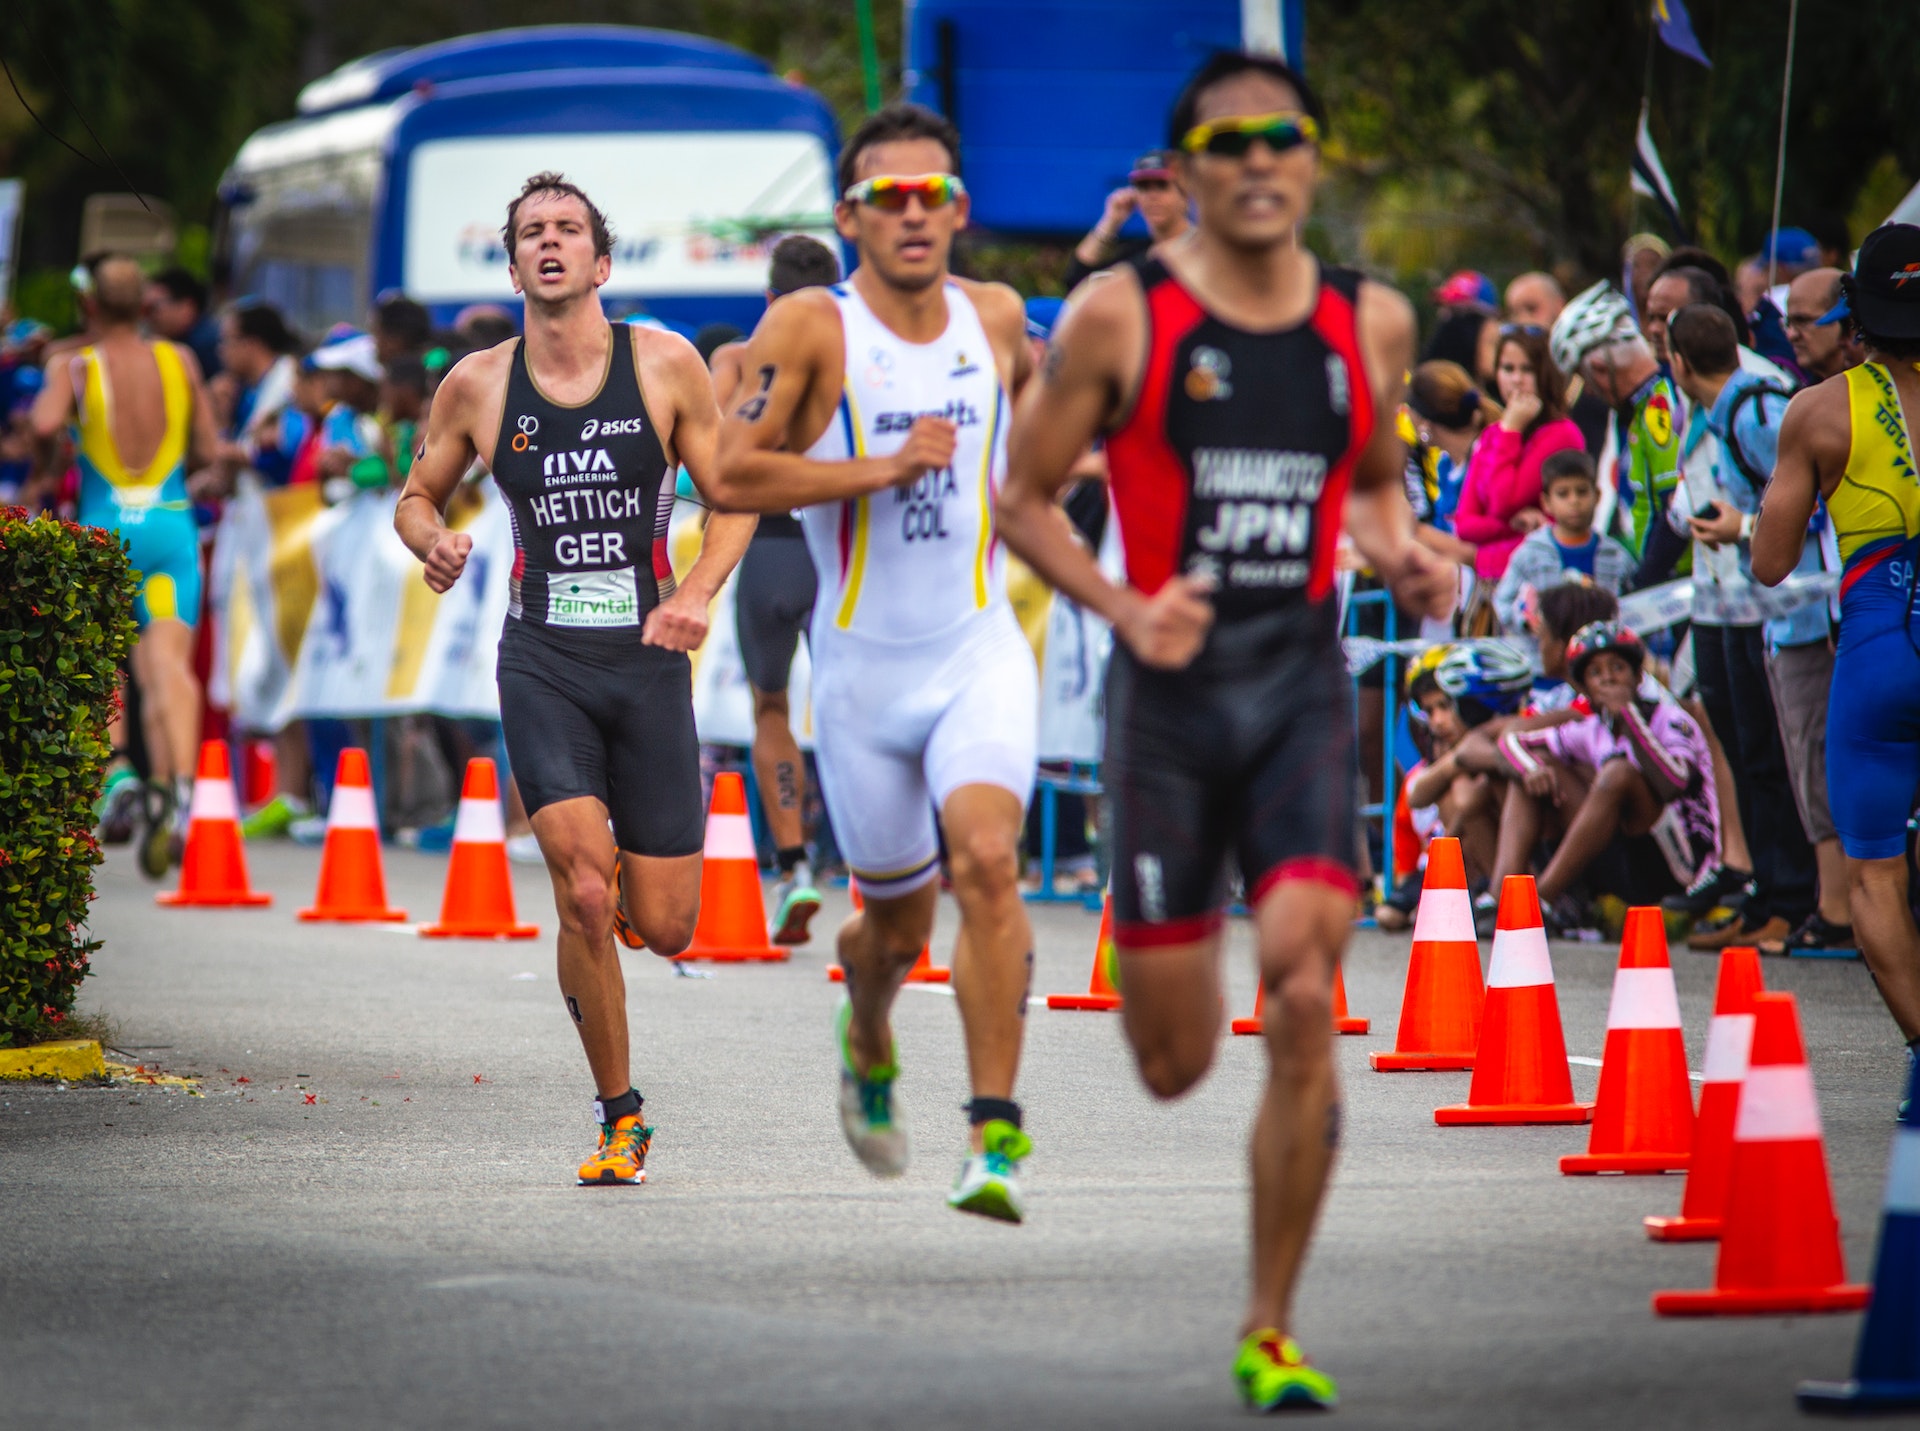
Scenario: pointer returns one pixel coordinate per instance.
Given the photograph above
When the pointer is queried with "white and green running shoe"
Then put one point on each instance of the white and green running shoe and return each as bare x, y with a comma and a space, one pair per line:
1275, 1375
869, 1115
986, 1185
795, 902
273, 819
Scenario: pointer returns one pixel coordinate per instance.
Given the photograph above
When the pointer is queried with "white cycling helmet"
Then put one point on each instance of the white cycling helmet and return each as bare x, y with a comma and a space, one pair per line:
1589, 320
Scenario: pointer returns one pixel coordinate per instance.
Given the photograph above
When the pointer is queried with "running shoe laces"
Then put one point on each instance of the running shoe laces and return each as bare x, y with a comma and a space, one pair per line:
622, 1155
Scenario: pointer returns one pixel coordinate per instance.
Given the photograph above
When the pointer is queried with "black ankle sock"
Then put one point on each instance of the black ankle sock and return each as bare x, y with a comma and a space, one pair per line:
789, 857
612, 1110
985, 1110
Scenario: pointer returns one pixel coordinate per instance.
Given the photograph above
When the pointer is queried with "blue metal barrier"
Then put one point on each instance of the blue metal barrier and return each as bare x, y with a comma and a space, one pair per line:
1389, 783
1078, 778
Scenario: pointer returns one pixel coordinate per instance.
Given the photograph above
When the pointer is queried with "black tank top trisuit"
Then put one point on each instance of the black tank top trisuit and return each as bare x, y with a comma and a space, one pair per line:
589, 494
1237, 456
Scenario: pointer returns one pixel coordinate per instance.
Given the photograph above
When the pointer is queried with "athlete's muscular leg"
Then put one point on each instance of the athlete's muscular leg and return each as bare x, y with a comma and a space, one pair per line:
1877, 893
1171, 1013
579, 850
663, 899
169, 697
1302, 927
778, 768
877, 947
993, 961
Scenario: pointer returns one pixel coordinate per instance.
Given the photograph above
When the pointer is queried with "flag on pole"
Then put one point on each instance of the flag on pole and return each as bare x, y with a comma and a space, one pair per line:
1676, 30
1650, 176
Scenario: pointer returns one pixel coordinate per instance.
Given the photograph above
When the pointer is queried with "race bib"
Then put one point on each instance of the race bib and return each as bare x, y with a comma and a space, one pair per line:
593, 598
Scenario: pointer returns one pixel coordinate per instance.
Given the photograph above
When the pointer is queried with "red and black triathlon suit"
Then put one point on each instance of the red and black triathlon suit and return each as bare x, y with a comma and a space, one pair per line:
1235, 462
585, 708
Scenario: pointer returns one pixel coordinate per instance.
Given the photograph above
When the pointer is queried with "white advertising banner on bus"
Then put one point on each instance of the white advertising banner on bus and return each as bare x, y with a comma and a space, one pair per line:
679, 205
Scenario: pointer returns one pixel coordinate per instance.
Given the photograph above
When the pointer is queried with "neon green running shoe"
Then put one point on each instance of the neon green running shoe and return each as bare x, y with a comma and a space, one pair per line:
795, 902
875, 1127
986, 1185
274, 819
1274, 1375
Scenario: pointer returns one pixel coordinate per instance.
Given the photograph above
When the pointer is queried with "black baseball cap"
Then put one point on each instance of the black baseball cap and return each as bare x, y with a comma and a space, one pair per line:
1154, 164
1883, 291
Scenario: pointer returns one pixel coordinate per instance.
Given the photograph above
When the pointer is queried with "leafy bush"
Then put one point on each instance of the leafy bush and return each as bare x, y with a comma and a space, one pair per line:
66, 622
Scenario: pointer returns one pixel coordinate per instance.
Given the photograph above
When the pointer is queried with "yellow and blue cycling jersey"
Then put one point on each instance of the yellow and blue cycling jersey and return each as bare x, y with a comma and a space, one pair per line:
1873, 718
148, 508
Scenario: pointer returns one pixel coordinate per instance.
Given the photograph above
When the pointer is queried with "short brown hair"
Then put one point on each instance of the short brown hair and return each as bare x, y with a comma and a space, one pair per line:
1567, 462
552, 183
897, 121
1704, 335
801, 262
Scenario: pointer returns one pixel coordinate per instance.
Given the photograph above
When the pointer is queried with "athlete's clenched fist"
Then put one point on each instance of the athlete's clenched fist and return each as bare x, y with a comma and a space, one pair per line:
929, 447
1168, 629
448, 559
1424, 582
679, 623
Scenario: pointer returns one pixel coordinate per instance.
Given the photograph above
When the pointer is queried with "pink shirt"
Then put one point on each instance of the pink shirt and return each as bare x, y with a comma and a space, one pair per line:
1503, 478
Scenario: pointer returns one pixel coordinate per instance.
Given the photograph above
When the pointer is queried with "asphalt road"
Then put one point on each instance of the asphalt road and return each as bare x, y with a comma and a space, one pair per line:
369, 1218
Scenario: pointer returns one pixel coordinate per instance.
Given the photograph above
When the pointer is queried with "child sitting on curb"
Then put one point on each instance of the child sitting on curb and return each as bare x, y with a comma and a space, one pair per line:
1634, 766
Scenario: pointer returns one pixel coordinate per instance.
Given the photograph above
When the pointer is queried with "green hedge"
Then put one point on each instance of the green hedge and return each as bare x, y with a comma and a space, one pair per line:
66, 622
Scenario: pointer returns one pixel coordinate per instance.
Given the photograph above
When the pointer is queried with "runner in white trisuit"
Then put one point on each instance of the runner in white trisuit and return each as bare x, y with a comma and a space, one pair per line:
879, 408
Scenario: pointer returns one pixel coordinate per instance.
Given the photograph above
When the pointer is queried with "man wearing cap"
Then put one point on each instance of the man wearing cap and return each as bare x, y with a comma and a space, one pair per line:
1823, 342
1848, 440
352, 445
1151, 188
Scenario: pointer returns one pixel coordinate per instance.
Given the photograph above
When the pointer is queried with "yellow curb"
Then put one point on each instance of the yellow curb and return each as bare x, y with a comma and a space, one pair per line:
73, 1058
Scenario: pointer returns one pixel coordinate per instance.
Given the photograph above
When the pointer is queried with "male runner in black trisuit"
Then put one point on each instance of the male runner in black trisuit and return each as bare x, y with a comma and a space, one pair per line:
773, 602
581, 424
1247, 396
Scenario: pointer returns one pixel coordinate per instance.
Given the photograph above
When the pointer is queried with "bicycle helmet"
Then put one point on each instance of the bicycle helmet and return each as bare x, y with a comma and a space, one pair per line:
1492, 671
1593, 317
1422, 668
1597, 636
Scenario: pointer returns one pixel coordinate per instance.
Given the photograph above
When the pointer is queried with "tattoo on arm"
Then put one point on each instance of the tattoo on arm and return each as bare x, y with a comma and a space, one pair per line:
753, 407
1050, 366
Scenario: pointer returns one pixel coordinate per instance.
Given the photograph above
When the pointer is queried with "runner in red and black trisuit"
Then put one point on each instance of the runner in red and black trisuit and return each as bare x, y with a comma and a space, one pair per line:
1247, 394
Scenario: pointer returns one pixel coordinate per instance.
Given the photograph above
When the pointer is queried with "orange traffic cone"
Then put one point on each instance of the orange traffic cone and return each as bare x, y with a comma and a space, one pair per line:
1779, 1240
1520, 1069
353, 888
1729, 1040
1440, 1010
1103, 986
732, 928
924, 970
214, 868
478, 903
1643, 1122
1343, 1022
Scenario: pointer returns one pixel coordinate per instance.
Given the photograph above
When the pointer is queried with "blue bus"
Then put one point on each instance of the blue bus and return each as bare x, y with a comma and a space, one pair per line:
398, 169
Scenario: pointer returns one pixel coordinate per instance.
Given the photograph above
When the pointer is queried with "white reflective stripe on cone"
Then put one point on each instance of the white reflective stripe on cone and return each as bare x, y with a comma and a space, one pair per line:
479, 823
1445, 914
730, 837
1777, 1105
1729, 1042
1520, 959
351, 809
1903, 1172
213, 800
1643, 999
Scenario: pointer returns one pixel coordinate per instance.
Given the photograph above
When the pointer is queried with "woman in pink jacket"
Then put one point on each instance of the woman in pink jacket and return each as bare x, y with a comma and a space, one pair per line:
1500, 501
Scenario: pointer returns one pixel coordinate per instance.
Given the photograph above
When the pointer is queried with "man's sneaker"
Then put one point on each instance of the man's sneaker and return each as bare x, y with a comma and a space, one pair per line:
986, 1185
1720, 887
1274, 1374
622, 929
274, 820
525, 849
117, 811
1711, 940
870, 1117
622, 1155
1815, 934
156, 845
308, 830
1486, 911
1565, 917
795, 902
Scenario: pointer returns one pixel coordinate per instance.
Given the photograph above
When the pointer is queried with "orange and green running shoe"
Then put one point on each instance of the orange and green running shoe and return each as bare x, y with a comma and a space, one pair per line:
622, 929
622, 1156
1274, 1375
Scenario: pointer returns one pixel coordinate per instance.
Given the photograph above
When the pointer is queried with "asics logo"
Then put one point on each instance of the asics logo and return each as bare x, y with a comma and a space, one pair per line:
617, 428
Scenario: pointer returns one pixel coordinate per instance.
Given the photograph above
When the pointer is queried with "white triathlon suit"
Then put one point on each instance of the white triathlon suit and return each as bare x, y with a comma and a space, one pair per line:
922, 679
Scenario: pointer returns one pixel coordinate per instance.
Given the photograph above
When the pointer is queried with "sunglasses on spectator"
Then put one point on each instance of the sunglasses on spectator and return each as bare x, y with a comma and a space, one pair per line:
1522, 330
890, 192
1234, 138
1152, 186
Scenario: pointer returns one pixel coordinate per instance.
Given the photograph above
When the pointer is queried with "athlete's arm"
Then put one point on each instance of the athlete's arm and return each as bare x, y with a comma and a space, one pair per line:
1378, 515
787, 357
53, 405
444, 456
680, 622
1090, 369
1815, 435
208, 480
